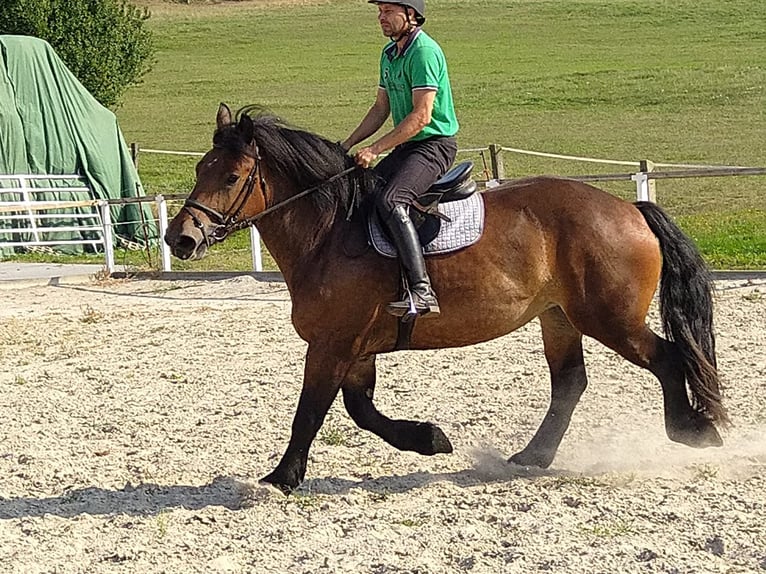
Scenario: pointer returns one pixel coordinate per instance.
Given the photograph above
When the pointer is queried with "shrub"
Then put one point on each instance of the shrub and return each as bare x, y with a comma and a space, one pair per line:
103, 42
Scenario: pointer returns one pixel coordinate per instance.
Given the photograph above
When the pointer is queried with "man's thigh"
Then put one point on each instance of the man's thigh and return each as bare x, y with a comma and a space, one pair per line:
409, 172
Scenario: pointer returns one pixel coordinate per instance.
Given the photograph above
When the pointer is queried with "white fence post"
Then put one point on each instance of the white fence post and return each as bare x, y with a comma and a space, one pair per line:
162, 211
642, 185
106, 222
255, 248
28, 199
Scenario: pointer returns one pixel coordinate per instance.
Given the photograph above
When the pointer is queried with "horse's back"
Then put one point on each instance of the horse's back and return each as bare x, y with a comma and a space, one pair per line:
562, 196
576, 213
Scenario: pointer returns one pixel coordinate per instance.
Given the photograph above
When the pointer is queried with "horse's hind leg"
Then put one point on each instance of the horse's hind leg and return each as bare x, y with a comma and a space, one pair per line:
682, 423
563, 351
358, 390
626, 333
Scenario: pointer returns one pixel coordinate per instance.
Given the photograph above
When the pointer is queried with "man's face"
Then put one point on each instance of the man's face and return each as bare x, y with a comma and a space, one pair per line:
392, 18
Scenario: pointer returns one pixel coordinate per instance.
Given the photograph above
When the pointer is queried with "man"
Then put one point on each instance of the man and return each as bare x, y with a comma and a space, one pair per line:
414, 89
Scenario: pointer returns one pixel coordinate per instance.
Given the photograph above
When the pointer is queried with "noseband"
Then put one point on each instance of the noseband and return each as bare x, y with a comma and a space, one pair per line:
229, 222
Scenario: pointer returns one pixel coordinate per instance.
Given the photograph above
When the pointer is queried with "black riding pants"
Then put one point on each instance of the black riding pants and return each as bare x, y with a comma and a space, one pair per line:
410, 169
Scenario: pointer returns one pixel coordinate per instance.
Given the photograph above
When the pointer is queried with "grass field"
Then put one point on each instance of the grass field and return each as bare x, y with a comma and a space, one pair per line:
676, 82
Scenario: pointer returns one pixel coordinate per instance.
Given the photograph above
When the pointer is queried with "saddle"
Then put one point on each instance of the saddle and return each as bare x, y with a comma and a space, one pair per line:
454, 185
449, 206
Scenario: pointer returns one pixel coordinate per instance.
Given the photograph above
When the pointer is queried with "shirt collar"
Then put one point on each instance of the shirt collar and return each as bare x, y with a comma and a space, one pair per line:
391, 50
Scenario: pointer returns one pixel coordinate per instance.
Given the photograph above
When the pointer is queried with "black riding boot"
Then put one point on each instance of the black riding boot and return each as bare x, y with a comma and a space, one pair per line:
405, 237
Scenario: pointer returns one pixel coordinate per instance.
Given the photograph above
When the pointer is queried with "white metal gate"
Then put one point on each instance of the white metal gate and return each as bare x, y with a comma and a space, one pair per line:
26, 217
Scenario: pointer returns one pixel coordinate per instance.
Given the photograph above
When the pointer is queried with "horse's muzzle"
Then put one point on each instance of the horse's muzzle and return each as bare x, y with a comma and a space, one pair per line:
186, 241
185, 247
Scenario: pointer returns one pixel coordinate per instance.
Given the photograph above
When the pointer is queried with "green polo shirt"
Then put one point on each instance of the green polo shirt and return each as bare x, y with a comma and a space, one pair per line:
421, 66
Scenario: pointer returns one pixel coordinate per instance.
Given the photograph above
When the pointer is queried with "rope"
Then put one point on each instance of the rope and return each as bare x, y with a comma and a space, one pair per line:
572, 157
525, 152
166, 152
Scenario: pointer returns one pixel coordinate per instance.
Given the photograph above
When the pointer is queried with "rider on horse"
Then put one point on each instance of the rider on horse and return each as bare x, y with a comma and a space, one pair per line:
414, 88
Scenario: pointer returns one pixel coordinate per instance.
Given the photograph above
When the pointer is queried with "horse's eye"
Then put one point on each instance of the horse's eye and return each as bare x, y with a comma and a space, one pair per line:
232, 179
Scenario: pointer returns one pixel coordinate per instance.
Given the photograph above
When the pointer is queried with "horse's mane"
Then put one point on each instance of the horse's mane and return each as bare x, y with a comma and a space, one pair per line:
299, 156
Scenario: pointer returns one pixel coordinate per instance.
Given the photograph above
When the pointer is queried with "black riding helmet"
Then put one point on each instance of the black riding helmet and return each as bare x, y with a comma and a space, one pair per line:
418, 5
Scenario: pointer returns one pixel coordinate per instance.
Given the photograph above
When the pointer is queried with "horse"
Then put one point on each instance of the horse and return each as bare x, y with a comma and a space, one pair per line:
580, 260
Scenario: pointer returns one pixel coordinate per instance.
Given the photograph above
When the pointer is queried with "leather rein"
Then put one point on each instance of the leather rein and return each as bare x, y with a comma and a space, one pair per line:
226, 223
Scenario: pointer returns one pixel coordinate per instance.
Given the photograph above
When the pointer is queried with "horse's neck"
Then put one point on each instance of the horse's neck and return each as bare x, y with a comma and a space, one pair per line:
294, 237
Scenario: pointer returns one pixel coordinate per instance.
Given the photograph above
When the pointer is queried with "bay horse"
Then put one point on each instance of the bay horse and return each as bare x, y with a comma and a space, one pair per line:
582, 261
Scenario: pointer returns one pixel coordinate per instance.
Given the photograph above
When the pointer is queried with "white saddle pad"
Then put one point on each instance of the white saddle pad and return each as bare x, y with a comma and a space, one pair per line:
464, 229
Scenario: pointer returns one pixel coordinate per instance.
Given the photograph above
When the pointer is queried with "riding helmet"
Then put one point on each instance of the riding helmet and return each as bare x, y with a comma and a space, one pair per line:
418, 5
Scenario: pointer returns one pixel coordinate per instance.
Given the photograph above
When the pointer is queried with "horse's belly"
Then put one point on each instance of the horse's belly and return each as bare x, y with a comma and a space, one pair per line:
473, 322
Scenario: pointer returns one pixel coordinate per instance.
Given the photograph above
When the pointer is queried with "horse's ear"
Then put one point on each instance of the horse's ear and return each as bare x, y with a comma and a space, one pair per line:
245, 127
224, 116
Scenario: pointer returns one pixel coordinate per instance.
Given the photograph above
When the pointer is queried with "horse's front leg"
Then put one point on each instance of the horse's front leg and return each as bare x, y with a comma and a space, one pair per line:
358, 391
323, 373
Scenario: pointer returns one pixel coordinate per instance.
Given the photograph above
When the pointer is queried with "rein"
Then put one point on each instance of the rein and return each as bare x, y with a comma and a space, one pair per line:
228, 223
303, 193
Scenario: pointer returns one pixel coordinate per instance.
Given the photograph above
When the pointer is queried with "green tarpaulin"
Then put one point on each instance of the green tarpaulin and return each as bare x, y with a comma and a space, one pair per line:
50, 124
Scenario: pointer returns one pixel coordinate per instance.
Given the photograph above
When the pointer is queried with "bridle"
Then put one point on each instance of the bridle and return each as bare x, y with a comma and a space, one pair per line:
227, 223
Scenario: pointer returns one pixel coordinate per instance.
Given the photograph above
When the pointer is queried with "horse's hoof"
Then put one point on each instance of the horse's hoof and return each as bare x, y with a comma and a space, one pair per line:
251, 495
531, 458
701, 434
430, 440
709, 436
273, 481
439, 441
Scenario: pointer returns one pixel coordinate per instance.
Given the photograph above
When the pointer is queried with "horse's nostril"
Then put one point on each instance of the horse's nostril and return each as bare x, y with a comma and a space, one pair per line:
185, 247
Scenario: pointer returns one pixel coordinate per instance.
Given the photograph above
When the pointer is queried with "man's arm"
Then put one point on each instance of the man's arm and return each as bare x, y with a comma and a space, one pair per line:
416, 120
372, 121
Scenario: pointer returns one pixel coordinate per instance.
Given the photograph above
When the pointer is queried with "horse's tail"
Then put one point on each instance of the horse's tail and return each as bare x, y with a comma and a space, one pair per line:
686, 308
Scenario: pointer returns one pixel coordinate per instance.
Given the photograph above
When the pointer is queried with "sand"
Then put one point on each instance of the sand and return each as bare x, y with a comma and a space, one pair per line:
138, 415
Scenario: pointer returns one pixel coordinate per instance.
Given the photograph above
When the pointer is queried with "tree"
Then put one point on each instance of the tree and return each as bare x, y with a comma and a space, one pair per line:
105, 43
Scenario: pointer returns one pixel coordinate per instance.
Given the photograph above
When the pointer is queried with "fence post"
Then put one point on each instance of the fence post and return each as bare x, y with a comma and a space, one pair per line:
647, 166
255, 248
496, 160
27, 197
642, 189
134, 153
106, 222
162, 213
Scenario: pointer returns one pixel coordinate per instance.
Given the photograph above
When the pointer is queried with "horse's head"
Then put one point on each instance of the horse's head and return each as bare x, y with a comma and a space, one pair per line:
229, 191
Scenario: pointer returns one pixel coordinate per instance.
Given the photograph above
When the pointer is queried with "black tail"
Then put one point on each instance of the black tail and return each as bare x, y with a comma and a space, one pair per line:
686, 308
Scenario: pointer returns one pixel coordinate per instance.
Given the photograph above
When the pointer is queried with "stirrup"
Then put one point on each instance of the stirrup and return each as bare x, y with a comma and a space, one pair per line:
415, 305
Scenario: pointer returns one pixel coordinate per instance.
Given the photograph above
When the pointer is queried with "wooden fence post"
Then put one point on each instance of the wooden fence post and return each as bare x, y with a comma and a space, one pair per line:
134, 153
496, 159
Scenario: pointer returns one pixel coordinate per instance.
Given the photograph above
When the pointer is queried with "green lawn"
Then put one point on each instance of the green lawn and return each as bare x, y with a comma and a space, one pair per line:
676, 82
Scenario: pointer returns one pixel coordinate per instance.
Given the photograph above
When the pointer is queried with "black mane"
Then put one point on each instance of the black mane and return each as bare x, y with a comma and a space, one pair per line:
299, 156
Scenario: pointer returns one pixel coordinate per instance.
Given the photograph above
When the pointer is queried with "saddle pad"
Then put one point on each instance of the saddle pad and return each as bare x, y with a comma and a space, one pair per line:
464, 228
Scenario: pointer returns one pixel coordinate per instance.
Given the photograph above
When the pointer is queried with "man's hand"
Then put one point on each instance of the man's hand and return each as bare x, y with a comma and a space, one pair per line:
365, 156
